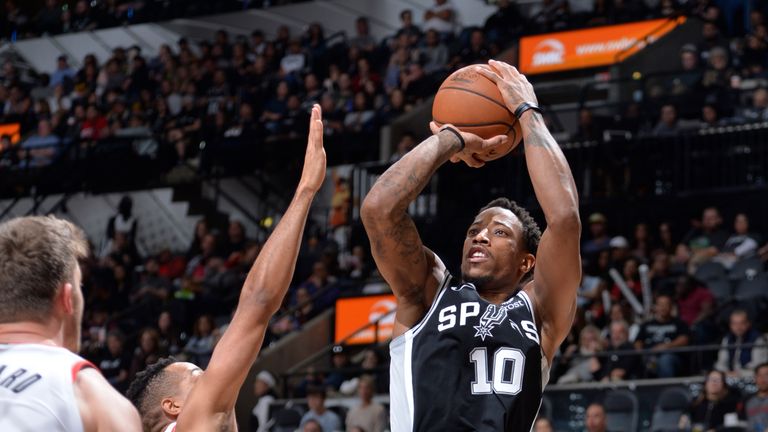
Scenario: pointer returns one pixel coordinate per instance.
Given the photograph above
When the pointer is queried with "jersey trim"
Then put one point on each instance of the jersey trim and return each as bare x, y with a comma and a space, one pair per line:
170, 428
77, 367
529, 303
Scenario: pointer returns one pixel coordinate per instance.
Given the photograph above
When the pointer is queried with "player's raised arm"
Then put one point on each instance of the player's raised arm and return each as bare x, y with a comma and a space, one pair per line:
412, 271
557, 273
267, 282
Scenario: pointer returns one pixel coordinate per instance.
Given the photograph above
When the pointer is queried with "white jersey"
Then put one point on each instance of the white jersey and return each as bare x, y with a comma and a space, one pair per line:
37, 388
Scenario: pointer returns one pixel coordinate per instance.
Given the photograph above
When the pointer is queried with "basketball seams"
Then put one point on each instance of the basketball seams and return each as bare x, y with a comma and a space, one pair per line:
460, 125
476, 93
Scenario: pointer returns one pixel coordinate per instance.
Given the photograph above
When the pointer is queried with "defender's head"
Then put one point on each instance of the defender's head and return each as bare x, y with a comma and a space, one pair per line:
500, 246
160, 391
40, 276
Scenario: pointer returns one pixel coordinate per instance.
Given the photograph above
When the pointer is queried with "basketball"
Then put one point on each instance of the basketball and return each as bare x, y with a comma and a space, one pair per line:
473, 103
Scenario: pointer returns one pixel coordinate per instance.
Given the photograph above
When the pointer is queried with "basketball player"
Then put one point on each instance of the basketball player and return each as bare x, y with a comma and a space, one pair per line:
472, 353
44, 385
176, 396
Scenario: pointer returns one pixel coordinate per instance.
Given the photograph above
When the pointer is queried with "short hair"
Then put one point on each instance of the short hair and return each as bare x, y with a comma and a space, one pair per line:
760, 366
315, 390
37, 255
531, 230
740, 311
145, 390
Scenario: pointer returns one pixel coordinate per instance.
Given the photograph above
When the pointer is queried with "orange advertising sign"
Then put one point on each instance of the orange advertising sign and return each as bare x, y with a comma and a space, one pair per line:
352, 314
12, 129
600, 46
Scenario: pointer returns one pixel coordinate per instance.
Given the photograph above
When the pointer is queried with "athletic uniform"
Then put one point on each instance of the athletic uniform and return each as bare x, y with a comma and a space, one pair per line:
469, 365
36, 388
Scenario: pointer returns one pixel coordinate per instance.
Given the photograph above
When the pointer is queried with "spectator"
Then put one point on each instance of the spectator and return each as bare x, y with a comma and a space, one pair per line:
707, 239
264, 391
741, 244
583, 365
759, 109
294, 60
147, 352
441, 17
340, 371
328, 421
41, 148
236, 240
542, 424
641, 243
434, 53
595, 418
407, 143
124, 222
689, 78
756, 406
360, 118
312, 426
620, 367
475, 52
407, 28
599, 240
64, 74
660, 274
362, 40
195, 247
695, 307
708, 411
169, 338
668, 123
661, 333
115, 361
619, 251
505, 24
82, 18
734, 359
49, 18
95, 125
200, 346
631, 277
369, 416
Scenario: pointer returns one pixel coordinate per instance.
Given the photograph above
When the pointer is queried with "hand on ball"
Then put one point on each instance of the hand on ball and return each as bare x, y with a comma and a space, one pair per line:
514, 86
473, 146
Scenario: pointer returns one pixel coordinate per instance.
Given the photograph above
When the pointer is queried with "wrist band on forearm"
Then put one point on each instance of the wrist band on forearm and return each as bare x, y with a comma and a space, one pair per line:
458, 135
525, 106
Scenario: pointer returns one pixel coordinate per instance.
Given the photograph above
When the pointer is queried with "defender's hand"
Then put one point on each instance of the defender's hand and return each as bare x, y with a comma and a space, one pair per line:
313, 173
473, 145
514, 86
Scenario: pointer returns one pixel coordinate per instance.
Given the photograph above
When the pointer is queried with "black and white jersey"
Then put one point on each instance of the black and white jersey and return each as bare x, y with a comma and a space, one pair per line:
469, 365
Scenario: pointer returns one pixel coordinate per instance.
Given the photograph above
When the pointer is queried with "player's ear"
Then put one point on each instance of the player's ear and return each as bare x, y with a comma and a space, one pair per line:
66, 299
527, 263
171, 408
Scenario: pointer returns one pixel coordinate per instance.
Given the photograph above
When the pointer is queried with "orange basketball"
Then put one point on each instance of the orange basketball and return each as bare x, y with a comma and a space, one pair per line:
473, 103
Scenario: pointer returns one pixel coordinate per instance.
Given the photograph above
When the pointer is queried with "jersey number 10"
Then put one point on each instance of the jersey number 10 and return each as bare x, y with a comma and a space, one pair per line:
499, 383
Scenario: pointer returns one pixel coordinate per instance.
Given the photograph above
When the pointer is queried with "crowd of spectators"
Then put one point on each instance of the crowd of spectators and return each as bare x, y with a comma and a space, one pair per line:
700, 285
720, 79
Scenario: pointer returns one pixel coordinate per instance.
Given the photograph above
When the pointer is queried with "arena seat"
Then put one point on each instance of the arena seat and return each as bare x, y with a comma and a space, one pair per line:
287, 420
621, 411
671, 404
746, 268
754, 287
710, 270
720, 288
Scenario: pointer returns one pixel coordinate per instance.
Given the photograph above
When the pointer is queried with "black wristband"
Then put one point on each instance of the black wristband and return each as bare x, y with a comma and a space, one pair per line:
458, 135
525, 106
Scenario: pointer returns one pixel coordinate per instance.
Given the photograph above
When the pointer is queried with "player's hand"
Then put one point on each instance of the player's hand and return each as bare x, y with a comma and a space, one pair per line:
514, 86
313, 174
473, 145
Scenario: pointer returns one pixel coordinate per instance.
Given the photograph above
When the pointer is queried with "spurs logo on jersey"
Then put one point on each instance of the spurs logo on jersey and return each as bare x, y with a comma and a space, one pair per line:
468, 365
